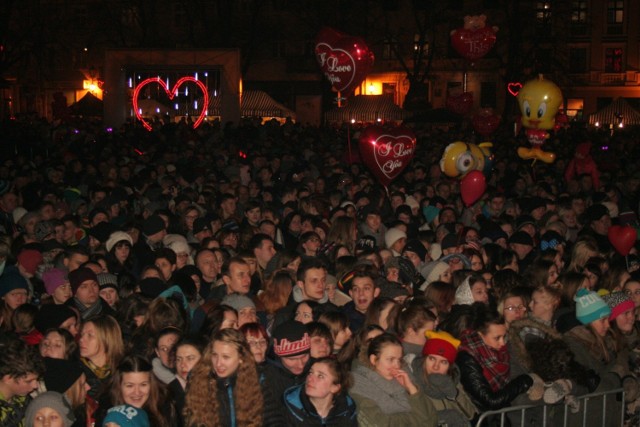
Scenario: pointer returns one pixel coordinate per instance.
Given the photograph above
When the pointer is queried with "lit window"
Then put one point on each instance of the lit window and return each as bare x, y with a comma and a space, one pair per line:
613, 60
615, 12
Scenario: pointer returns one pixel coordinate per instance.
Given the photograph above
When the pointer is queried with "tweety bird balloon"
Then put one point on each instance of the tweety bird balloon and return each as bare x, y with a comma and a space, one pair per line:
539, 100
460, 158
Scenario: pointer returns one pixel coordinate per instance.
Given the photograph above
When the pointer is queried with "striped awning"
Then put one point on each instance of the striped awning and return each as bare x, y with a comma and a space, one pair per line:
254, 103
367, 108
619, 111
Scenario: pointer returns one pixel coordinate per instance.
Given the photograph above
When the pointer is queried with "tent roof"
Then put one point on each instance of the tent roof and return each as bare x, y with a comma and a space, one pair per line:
254, 103
612, 113
89, 105
367, 108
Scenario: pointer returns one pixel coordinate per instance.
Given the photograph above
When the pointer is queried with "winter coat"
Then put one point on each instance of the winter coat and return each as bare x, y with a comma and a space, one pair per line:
301, 412
275, 379
453, 405
479, 389
382, 402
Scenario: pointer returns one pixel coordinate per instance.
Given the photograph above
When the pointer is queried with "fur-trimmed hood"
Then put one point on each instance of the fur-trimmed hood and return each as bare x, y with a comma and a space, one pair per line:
518, 332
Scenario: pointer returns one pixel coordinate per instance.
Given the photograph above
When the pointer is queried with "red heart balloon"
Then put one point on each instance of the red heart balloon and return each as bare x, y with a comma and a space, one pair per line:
473, 44
171, 94
386, 152
345, 60
622, 238
485, 122
472, 187
460, 104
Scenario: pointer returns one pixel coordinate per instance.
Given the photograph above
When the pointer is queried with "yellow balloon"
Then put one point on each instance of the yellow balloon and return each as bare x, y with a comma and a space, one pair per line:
539, 100
460, 158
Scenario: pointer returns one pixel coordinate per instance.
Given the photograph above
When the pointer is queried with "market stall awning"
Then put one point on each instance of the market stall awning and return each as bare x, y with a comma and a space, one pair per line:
619, 111
254, 103
367, 108
88, 106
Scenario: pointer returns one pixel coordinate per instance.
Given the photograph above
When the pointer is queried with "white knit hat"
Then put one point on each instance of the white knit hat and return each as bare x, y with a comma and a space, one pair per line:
115, 237
431, 272
393, 235
463, 293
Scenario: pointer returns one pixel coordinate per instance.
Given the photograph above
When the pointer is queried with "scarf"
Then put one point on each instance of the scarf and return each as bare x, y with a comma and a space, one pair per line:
100, 372
87, 312
494, 363
389, 395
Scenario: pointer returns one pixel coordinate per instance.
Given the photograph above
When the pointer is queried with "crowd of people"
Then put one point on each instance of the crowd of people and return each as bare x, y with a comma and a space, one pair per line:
257, 275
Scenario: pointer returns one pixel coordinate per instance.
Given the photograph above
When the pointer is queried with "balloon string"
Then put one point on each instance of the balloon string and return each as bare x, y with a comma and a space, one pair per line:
386, 189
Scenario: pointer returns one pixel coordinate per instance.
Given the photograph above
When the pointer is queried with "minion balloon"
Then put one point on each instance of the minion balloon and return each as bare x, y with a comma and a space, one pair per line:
460, 158
539, 100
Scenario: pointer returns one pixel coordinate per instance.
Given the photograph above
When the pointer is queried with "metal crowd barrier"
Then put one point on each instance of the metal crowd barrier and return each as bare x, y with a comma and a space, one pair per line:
509, 416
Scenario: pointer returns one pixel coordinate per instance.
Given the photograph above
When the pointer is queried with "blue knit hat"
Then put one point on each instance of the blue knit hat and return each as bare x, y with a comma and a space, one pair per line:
590, 307
127, 416
10, 280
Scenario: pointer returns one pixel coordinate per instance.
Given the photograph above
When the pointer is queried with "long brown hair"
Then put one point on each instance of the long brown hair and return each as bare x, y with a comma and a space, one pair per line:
203, 411
157, 393
277, 289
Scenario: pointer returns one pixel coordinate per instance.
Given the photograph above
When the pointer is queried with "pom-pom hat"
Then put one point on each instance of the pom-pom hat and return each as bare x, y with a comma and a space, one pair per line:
590, 307
441, 344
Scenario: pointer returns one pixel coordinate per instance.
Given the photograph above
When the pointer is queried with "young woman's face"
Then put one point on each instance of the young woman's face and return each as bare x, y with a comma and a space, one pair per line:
341, 338
552, 275
319, 347
320, 382
230, 320
540, 305
71, 325
225, 359
110, 295
479, 292
186, 358
122, 251
89, 344
514, 309
494, 336
600, 326
304, 314
62, 293
164, 349
625, 321
632, 289
53, 346
135, 388
47, 417
435, 364
388, 362
15, 298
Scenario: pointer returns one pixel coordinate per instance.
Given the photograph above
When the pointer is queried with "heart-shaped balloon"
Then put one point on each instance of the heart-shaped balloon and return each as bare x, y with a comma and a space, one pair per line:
472, 187
473, 44
387, 152
485, 122
460, 104
345, 60
170, 94
622, 238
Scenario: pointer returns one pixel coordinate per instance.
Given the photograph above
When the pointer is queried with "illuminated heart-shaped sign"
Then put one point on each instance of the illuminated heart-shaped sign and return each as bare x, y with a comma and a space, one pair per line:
387, 152
345, 60
473, 44
170, 94
514, 88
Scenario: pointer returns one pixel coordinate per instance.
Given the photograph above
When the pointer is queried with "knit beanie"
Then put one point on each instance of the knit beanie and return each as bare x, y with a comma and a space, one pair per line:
441, 344
107, 280
115, 238
590, 307
126, 416
416, 246
449, 241
152, 287
53, 279
101, 231
463, 293
238, 301
79, 276
53, 400
522, 238
52, 316
30, 259
11, 279
60, 374
152, 225
619, 303
291, 339
432, 271
393, 235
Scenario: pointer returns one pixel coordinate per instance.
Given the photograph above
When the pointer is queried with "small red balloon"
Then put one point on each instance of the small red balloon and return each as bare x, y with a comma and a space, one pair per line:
345, 60
460, 104
486, 122
387, 152
472, 187
622, 238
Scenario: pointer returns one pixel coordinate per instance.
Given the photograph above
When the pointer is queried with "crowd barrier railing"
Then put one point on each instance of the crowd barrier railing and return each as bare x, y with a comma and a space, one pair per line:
593, 412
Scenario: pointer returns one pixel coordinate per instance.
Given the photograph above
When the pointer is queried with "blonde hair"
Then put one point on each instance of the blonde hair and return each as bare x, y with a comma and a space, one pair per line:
110, 337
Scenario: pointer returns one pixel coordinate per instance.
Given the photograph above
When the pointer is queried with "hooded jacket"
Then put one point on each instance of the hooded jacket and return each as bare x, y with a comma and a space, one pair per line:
301, 412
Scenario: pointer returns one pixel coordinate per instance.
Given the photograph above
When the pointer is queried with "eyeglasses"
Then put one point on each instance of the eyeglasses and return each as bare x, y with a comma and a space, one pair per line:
257, 343
515, 308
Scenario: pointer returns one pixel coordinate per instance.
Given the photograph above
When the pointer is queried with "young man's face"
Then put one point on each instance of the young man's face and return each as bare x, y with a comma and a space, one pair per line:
315, 283
363, 291
21, 386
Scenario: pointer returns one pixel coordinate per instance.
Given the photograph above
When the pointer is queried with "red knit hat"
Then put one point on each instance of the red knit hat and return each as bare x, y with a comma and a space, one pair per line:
30, 259
441, 344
